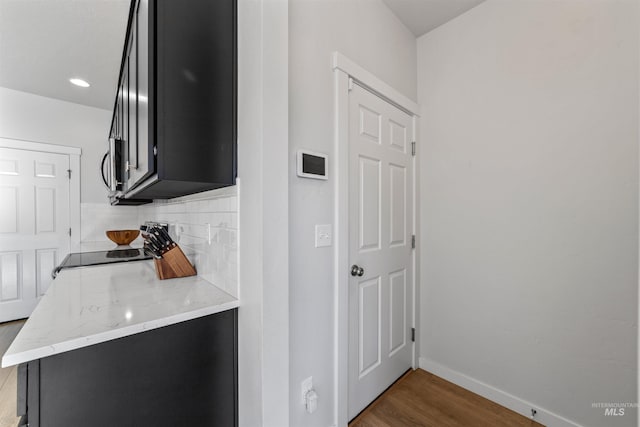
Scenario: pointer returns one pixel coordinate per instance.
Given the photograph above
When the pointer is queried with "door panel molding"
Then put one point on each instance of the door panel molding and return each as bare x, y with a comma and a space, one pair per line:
397, 300
10, 275
367, 290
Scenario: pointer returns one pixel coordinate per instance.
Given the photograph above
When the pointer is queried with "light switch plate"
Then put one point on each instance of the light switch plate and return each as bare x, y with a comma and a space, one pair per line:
323, 235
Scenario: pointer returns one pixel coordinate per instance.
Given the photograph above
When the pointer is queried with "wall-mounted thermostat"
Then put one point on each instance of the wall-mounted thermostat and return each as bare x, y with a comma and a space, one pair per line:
313, 165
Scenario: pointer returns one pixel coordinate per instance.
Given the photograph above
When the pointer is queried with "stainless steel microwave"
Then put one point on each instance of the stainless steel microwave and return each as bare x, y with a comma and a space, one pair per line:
112, 169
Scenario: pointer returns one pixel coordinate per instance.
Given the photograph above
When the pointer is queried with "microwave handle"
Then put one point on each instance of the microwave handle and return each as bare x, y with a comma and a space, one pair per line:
113, 179
104, 178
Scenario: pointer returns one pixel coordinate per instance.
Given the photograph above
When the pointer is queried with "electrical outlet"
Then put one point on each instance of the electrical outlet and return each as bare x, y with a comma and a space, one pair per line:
312, 401
305, 387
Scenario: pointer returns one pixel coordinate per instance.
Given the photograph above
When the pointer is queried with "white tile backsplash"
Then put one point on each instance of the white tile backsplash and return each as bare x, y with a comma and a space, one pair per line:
96, 218
205, 225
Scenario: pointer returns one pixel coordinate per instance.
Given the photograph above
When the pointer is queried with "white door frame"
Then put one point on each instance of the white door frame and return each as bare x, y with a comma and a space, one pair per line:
74, 154
344, 69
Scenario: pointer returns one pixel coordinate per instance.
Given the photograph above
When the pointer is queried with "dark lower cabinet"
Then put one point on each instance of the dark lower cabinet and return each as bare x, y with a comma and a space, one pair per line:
179, 375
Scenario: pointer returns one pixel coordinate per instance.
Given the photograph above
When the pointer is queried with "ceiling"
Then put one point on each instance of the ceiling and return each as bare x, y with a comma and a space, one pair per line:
422, 16
44, 43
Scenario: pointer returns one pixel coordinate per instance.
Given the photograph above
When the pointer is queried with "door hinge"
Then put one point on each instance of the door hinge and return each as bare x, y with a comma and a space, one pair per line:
69, 232
413, 241
155, 150
413, 148
69, 173
413, 334
350, 84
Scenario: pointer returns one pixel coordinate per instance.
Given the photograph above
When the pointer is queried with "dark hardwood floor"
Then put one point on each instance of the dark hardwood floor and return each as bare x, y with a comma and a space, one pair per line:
420, 398
8, 332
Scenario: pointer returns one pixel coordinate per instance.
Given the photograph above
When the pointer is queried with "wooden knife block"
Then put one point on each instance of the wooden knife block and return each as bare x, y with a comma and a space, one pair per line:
174, 264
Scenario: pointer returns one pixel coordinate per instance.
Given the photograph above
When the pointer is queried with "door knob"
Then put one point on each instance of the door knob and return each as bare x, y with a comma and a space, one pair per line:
357, 271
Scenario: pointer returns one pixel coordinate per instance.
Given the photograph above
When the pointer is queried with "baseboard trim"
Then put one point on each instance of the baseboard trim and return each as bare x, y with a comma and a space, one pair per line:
503, 398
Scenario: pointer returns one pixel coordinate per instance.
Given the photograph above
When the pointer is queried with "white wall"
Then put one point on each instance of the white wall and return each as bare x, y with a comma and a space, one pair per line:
263, 322
529, 201
37, 118
367, 32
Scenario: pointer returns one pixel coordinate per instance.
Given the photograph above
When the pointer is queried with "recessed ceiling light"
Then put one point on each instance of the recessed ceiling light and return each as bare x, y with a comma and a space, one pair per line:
79, 82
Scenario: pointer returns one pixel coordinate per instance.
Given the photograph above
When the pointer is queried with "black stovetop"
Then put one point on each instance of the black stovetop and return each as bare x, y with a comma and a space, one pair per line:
83, 259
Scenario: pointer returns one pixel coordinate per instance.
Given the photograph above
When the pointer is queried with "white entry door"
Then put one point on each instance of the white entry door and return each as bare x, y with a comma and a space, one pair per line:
380, 246
34, 226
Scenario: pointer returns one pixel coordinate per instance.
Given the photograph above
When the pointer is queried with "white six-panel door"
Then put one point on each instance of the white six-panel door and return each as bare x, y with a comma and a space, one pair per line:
34, 226
380, 230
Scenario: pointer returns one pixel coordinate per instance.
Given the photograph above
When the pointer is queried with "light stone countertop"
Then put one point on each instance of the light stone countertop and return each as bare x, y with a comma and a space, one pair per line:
90, 305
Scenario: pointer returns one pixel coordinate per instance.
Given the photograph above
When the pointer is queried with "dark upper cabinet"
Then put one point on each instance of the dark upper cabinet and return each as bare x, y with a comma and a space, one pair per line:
175, 113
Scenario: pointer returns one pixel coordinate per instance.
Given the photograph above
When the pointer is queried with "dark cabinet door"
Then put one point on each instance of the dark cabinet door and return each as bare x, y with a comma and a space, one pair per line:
21, 388
124, 100
140, 152
117, 135
121, 111
132, 94
179, 375
116, 117
195, 103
